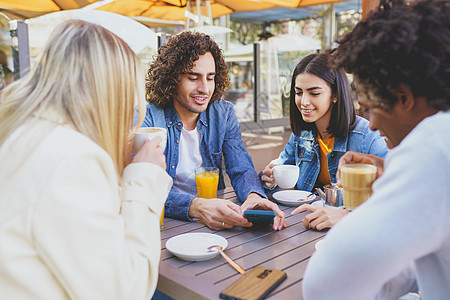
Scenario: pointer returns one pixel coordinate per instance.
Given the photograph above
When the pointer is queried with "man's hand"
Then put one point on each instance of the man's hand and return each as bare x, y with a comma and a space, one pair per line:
217, 213
352, 157
320, 217
256, 201
267, 176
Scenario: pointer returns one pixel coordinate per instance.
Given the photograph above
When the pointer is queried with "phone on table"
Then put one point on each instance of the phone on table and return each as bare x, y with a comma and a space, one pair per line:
254, 285
259, 216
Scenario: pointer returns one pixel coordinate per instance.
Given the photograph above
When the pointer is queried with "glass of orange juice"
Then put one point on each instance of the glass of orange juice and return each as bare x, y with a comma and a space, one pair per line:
207, 179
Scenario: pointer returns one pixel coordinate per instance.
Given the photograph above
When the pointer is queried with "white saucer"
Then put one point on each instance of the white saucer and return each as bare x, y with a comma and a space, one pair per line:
292, 197
194, 246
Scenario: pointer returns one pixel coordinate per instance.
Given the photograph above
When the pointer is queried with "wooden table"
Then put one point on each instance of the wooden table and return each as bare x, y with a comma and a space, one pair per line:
288, 250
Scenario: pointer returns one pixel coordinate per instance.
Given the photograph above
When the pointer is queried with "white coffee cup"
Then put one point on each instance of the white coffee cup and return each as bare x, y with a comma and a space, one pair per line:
148, 133
286, 176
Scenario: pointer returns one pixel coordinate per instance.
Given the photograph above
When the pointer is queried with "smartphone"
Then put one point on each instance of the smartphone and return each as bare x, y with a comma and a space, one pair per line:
254, 285
259, 216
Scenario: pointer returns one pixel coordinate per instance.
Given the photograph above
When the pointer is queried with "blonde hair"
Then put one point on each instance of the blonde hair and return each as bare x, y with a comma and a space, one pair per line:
88, 76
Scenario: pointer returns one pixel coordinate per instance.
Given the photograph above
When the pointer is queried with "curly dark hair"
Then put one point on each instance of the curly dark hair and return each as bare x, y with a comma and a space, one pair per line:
177, 57
343, 115
401, 43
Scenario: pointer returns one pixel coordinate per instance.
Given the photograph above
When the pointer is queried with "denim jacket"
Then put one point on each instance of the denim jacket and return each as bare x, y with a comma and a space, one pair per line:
304, 151
220, 135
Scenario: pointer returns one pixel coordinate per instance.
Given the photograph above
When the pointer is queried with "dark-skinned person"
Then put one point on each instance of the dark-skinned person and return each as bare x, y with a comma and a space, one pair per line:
398, 241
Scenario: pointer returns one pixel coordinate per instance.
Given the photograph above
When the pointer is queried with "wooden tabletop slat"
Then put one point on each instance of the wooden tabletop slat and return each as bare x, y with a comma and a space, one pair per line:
288, 250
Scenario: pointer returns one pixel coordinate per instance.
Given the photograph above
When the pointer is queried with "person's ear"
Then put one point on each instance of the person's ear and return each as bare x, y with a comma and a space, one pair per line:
405, 97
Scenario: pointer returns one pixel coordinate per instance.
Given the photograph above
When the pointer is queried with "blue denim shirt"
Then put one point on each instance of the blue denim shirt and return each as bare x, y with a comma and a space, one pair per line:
304, 151
220, 135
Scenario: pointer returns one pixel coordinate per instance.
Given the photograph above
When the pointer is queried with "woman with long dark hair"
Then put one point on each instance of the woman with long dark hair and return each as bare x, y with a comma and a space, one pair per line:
324, 126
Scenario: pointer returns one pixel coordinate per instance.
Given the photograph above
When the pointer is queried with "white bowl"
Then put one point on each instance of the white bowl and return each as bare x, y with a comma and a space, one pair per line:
194, 246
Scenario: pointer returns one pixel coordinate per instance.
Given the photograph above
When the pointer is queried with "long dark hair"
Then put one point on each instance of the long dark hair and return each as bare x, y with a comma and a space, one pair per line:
343, 113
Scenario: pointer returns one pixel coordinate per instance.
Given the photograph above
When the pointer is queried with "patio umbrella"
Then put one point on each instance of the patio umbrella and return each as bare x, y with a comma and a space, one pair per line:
281, 43
25, 9
294, 42
180, 9
153, 9
140, 38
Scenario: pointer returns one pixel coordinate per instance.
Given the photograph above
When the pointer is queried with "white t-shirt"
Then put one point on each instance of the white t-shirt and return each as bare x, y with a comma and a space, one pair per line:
407, 220
189, 159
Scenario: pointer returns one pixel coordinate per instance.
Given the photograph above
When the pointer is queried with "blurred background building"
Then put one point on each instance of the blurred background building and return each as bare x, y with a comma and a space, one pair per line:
262, 40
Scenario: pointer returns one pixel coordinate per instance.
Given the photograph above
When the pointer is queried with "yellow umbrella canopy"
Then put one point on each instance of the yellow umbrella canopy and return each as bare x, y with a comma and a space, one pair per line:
176, 9
25, 9
155, 9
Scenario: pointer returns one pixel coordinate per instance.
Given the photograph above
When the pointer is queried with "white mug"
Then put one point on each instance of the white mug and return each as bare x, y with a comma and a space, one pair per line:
148, 133
286, 176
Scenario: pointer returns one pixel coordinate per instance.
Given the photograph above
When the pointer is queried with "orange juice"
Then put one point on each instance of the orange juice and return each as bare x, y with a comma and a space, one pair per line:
207, 184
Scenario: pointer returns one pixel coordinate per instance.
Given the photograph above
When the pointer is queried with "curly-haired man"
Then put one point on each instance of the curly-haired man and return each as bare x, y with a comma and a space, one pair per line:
184, 86
399, 240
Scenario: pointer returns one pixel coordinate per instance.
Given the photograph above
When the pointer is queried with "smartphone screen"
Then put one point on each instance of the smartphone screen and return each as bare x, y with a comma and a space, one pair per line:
259, 216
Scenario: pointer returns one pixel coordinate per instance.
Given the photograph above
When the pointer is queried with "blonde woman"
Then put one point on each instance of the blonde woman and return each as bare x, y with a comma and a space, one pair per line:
78, 218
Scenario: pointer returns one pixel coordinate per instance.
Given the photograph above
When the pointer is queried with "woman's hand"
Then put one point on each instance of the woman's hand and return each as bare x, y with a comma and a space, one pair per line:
267, 176
320, 217
151, 152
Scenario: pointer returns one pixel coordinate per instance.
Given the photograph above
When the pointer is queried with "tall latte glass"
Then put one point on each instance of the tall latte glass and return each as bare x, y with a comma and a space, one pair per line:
357, 182
207, 179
